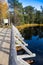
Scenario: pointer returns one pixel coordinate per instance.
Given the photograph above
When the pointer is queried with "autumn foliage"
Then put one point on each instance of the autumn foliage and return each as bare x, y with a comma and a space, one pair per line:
3, 10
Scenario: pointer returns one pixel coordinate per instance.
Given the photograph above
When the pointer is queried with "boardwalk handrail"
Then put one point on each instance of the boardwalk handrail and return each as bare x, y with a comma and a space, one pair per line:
13, 53
17, 38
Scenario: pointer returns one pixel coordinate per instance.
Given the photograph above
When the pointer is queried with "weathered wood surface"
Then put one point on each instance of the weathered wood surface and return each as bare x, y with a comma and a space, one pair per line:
8, 54
4, 45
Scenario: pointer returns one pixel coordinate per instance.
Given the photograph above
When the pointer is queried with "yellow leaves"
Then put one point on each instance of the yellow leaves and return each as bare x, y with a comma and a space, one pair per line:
4, 9
0, 10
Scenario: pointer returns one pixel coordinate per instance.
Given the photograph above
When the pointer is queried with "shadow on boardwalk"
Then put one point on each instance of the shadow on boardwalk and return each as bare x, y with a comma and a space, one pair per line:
5, 50
4, 46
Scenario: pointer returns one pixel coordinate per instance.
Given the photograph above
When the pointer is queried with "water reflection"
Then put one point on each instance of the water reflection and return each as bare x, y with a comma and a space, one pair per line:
35, 44
29, 32
34, 38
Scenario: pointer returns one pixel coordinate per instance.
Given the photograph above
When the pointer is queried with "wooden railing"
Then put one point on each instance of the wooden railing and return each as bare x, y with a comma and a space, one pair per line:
13, 53
13, 58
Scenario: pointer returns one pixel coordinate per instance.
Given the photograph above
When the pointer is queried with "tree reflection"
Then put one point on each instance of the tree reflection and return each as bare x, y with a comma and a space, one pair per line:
32, 31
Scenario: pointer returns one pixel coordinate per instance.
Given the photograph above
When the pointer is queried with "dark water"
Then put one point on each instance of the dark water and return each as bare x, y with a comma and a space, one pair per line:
35, 44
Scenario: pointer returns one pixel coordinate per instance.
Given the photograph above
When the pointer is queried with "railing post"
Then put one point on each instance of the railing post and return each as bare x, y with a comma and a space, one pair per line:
13, 53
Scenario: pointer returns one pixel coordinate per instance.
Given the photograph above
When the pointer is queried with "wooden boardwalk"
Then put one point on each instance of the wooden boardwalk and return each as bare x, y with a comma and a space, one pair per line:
4, 45
8, 54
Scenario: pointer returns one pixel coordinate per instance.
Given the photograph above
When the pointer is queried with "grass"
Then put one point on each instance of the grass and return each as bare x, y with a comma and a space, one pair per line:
27, 25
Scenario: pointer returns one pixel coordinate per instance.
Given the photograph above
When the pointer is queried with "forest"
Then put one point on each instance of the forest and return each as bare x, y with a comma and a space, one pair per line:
26, 14
20, 15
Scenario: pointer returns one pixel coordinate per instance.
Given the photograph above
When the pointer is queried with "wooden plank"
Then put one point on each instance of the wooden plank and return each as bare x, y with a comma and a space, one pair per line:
4, 46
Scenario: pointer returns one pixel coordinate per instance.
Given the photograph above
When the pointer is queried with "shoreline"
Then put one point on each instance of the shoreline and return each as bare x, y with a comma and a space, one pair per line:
21, 27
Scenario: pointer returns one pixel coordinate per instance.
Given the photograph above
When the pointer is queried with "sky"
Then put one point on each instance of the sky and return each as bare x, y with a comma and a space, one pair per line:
34, 3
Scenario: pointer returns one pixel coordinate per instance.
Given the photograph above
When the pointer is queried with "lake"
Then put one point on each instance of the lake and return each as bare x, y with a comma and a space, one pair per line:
35, 44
